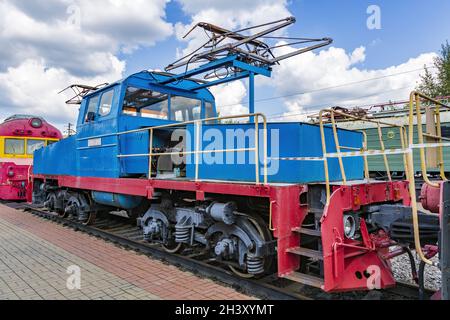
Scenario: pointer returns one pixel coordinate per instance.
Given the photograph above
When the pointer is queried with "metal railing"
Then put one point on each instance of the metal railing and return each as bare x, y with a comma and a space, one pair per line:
415, 109
415, 100
198, 123
364, 152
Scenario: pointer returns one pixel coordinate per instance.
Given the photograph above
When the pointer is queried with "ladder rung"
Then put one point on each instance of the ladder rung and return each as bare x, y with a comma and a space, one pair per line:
304, 278
306, 252
311, 232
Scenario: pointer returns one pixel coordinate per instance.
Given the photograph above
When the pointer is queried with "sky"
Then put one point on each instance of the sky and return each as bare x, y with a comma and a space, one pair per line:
380, 48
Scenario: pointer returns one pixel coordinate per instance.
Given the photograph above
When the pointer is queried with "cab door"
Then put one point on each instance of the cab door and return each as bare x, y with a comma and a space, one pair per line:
97, 139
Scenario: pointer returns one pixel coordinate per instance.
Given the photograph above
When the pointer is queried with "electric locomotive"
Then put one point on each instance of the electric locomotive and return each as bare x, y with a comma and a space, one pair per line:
20, 136
255, 197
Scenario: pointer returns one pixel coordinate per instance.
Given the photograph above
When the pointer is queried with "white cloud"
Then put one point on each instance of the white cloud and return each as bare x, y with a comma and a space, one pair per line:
46, 45
333, 68
240, 14
32, 88
229, 98
77, 35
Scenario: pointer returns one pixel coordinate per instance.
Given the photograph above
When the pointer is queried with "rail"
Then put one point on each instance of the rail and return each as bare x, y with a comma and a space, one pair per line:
198, 123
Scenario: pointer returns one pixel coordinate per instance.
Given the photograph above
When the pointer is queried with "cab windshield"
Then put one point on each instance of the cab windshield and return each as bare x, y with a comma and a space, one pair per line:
153, 104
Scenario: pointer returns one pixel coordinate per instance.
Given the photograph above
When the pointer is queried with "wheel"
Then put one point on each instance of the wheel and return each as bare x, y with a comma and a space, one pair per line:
76, 206
258, 223
241, 274
50, 201
171, 246
92, 215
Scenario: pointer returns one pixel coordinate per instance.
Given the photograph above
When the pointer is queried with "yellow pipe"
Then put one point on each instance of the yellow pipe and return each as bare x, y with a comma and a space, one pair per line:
366, 159
197, 148
439, 136
415, 97
271, 228
198, 123
366, 167
325, 160
412, 183
256, 151
403, 139
338, 148
386, 162
365, 119
150, 156
264, 146
412, 192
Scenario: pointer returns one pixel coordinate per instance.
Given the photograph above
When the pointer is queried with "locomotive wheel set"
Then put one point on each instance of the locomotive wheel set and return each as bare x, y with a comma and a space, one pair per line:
300, 203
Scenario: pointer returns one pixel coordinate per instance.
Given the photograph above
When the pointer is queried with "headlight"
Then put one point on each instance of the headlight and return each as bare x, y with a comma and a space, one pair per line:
349, 226
10, 172
36, 123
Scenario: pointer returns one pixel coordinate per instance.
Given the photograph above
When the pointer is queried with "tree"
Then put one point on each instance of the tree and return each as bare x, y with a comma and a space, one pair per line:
428, 84
438, 85
442, 63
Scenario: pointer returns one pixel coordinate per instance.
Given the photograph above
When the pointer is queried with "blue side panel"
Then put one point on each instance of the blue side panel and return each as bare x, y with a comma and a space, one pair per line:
134, 143
284, 140
79, 156
57, 159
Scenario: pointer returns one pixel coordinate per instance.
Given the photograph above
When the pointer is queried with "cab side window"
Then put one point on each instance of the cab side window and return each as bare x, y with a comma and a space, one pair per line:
106, 103
92, 109
14, 146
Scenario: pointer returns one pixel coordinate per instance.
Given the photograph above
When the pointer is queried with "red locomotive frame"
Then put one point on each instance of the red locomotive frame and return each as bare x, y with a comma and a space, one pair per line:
344, 259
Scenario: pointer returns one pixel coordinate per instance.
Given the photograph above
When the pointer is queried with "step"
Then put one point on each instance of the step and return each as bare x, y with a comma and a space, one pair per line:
304, 278
310, 232
306, 252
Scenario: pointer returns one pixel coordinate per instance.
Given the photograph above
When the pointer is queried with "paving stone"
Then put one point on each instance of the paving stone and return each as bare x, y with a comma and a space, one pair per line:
35, 255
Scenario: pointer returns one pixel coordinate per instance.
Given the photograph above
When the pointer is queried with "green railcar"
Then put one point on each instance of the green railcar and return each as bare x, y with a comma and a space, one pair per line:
391, 140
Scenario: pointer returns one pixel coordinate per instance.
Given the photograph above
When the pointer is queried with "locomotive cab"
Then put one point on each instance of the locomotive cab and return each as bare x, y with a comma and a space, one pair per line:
138, 102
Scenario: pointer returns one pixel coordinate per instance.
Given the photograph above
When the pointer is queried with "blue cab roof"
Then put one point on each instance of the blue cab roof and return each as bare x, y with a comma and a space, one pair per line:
154, 77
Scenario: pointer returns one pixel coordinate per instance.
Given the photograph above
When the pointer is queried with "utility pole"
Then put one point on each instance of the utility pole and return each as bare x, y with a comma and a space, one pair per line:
70, 131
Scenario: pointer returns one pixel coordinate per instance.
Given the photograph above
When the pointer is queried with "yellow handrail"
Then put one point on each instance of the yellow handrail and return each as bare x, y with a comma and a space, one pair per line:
415, 99
365, 153
197, 152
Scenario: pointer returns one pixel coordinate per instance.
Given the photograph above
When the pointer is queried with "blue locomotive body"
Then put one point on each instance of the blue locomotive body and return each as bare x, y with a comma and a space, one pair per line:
110, 143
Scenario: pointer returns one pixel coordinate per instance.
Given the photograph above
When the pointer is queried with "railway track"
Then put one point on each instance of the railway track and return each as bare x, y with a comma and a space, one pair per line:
122, 233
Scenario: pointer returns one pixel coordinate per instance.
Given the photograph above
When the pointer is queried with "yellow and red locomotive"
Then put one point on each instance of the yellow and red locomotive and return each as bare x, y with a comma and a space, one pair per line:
20, 136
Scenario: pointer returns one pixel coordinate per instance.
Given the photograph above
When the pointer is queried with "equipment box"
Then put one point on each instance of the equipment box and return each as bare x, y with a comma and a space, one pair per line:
284, 140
